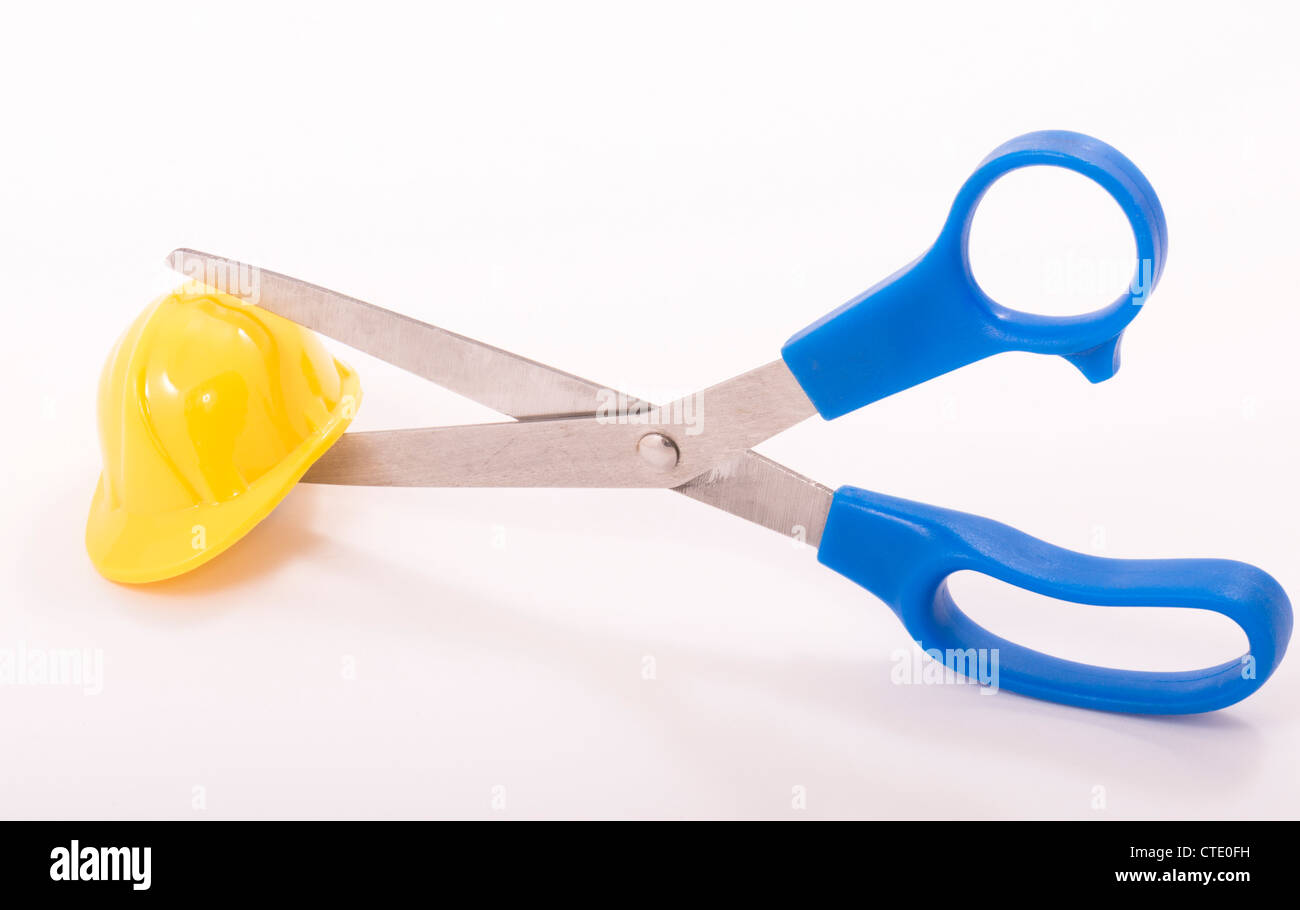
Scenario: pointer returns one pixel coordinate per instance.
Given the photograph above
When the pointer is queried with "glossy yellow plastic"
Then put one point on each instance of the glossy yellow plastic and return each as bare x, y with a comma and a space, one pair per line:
210, 410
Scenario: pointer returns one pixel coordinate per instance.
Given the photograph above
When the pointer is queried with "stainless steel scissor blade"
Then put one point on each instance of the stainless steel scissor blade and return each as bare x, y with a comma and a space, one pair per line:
504, 382
555, 440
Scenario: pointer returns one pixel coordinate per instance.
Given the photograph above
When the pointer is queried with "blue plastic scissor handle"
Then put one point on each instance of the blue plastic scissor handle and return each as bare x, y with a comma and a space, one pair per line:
904, 552
932, 317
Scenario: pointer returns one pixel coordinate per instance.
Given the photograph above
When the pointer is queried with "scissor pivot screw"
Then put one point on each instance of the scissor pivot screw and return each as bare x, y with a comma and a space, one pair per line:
658, 451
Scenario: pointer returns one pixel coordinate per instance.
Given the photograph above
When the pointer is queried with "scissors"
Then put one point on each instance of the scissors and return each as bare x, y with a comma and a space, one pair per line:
926, 319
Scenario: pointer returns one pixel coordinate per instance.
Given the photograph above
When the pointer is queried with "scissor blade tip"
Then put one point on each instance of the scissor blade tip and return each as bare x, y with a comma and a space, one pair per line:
176, 258
195, 263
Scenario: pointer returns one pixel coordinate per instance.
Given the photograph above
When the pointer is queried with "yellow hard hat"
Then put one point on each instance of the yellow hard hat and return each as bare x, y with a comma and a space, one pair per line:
210, 410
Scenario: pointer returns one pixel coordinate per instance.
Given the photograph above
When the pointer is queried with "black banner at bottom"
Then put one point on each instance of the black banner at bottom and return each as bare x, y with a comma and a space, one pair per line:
1002, 859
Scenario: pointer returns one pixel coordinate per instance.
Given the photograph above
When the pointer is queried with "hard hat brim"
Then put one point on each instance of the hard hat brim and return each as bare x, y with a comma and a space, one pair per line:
136, 548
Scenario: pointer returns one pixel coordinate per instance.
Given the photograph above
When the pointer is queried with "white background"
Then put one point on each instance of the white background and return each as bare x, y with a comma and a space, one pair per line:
654, 197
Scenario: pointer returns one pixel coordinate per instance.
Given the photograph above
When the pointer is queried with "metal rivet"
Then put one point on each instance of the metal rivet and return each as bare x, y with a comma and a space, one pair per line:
658, 451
